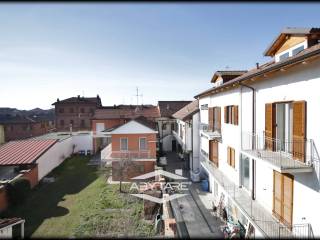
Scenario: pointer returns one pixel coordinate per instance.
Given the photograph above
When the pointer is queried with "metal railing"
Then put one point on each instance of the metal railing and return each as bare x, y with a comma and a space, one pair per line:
207, 128
142, 154
253, 210
282, 153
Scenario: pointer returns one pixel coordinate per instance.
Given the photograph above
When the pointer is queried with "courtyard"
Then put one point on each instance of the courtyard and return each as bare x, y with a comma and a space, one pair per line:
80, 203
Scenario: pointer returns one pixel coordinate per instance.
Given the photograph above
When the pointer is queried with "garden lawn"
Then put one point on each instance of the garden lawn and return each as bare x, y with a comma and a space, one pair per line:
81, 204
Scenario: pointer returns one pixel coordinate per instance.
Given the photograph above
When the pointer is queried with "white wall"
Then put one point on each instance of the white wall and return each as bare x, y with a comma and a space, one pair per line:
54, 157
230, 133
82, 142
196, 141
302, 83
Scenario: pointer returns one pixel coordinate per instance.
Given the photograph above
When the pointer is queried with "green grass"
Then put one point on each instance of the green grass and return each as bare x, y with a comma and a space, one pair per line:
75, 205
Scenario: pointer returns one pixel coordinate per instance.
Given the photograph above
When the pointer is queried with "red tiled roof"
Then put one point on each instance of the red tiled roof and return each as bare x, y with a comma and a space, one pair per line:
23, 151
167, 108
128, 112
187, 111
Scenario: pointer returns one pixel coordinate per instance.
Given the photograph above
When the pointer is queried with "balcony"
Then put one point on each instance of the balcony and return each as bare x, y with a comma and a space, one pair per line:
108, 155
256, 214
210, 132
284, 156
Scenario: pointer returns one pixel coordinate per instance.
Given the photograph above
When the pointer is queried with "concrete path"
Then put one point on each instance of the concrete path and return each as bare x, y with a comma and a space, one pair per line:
193, 217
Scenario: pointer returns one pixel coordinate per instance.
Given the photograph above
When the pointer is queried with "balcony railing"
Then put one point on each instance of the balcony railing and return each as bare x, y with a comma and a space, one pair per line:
212, 132
108, 154
285, 154
253, 210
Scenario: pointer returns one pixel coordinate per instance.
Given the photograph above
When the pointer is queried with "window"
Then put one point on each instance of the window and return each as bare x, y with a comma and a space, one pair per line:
83, 123
283, 56
245, 171
181, 131
297, 50
164, 126
231, 114
71, 122
62, 122
71, 110
124, 144
82, 110
143, 143
61, 110
172, 126
231, 156
214, 120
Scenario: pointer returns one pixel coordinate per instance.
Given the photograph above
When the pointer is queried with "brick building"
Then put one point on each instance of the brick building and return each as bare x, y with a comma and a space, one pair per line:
21, 127
75, 112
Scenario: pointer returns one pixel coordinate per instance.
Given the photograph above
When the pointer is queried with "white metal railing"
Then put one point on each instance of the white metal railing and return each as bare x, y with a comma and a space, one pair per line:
253, 210
285, 154
207, 128
108, 154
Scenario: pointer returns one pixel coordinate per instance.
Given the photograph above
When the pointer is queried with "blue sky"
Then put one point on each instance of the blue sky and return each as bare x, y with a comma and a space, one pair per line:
169, 51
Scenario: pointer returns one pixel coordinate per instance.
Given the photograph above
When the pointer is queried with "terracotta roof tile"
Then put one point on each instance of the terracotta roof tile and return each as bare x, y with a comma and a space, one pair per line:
187, 111
167, 108
127, 112
23, 151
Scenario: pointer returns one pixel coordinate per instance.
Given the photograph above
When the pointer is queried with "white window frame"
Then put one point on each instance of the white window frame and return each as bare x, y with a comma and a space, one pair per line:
140, 143
121, 144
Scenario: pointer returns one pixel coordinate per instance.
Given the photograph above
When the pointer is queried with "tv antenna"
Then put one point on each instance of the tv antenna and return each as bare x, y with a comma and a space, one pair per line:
137, 95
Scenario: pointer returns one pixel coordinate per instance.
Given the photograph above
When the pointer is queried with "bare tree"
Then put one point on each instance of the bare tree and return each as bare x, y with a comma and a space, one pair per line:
121, 170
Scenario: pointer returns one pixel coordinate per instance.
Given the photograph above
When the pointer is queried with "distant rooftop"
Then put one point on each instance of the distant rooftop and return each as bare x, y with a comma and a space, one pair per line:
187, 111
80, 99
168, 108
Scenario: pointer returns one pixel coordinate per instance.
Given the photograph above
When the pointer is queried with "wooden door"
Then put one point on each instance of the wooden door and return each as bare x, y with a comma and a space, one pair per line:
287, 200
269, 126
299, 130
213, 152
283, 197
277, 194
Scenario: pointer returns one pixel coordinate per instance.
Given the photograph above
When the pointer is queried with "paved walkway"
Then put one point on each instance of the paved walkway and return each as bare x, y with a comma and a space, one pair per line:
192, 214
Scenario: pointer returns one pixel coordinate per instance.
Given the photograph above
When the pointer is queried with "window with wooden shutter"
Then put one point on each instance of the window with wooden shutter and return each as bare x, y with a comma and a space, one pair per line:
210, 118
218, 119
225, 114
269, 125
213, 152
231, 156
299, 130
236, 117
230, 114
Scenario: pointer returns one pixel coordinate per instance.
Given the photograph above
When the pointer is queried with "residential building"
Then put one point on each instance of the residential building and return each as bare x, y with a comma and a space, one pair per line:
75, 113
134, 142
111, 116
259, 141
186, 133
22, 127
166, 124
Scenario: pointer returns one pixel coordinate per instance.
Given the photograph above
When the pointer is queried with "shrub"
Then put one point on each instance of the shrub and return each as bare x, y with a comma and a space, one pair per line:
18, 190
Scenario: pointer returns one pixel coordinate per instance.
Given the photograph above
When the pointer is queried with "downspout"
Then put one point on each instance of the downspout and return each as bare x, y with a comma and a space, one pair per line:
253, 194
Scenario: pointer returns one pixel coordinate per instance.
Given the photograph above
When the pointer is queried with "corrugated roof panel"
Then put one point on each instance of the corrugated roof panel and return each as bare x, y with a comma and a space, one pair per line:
23, 151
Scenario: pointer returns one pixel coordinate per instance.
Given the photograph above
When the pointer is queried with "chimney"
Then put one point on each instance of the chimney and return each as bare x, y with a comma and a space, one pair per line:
58, 100
257, 64
98, 97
